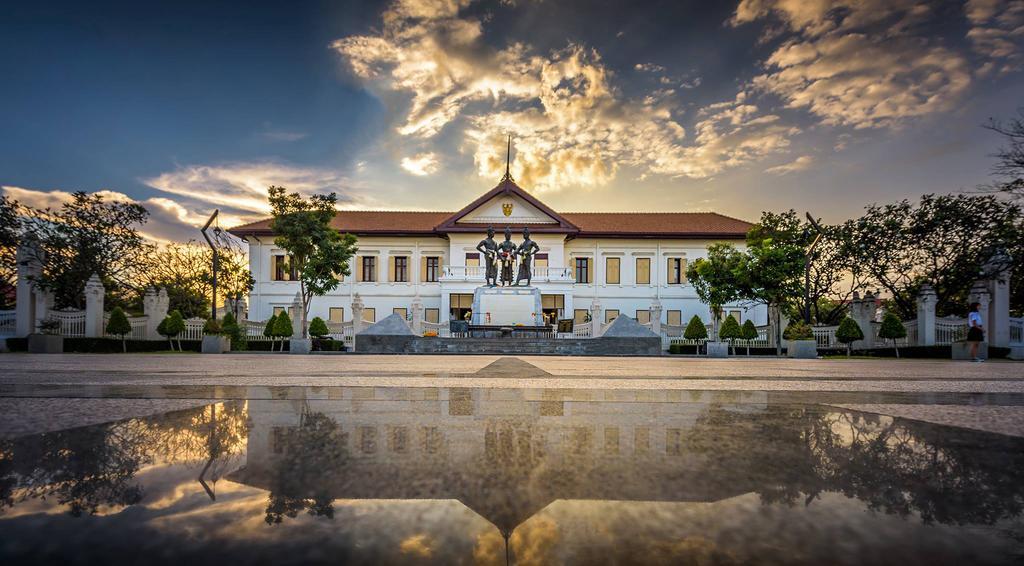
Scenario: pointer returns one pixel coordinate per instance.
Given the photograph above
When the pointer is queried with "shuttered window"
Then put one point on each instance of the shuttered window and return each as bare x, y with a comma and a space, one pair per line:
432, 315
643, 317
610, 315
643, 271
584, 270
336, 314
368, 271
676, 272
675, 318
430, 269
611, 270
398, 269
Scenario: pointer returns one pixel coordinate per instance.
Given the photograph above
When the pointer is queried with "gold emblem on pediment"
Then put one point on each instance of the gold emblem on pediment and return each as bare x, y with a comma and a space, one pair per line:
506, 207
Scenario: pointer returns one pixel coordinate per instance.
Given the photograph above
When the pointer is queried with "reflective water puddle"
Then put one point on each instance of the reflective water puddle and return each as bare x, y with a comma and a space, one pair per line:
496, 476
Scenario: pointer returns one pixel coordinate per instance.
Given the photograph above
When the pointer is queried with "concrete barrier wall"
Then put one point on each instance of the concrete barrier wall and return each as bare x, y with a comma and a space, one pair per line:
605, 346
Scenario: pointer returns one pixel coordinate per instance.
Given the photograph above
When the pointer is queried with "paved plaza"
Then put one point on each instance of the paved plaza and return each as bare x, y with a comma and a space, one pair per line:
50, 392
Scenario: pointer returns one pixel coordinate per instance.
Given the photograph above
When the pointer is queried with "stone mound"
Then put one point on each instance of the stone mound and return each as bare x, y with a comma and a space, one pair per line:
392, 325
627, 327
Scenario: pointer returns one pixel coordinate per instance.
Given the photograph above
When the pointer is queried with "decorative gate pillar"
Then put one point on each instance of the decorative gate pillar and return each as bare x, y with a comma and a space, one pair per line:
1000, 269
29, 267
979, 294
656, 317
357, 314
595, 318
417, 315
296, 316
94, 307
154, 306
926, 316
863, 311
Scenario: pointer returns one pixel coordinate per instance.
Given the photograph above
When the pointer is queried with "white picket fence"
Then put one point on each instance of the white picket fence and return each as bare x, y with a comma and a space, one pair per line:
8, 323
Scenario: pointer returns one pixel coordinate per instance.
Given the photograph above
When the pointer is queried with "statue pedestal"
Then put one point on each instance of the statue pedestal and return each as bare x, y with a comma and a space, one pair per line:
507, 306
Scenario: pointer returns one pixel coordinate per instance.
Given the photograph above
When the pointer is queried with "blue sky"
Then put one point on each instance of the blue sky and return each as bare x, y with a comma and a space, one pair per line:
736, 107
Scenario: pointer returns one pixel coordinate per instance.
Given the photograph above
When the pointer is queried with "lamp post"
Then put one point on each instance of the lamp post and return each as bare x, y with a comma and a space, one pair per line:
216, 262
807, 268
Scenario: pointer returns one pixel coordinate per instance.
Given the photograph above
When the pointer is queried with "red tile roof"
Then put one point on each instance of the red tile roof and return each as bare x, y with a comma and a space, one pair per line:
605, 224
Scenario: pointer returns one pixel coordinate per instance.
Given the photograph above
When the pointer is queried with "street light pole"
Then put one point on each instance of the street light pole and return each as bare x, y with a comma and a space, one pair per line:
216, 262
807, 268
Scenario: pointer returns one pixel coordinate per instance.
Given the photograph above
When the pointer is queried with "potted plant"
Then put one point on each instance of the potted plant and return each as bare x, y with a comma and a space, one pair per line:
118, 325
800, 342
848, 333
48, 340
215, 341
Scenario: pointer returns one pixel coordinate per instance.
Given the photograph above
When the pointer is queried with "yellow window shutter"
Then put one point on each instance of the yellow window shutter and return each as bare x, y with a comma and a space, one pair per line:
391, 269
682, 270
423, 269
359, 268
668, 271
590, 270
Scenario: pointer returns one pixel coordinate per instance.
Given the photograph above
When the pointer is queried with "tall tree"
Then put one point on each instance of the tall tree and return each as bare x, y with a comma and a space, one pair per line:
944, 240
319, 252
10, 230
185, 270
714, 279
1009, 167
88, 234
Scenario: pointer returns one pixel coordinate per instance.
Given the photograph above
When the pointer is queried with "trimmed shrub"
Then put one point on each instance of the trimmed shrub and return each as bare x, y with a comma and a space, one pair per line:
283, 327
234, 331
118, 325
268, 330
748, 332
84, 345
730, 330
695, 329
892, 329
318, 328
171, 327
211, 327
848, 333
798, 330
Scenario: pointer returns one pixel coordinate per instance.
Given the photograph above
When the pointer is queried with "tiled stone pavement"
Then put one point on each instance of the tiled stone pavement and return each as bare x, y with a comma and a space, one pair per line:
916, 381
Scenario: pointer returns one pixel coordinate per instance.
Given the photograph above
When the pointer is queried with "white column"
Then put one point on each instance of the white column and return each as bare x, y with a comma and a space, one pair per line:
154, 306
298, 331
999, 310
863, 311
656, 309
357, 314
417, 315
94, 307
595, 317
926, 316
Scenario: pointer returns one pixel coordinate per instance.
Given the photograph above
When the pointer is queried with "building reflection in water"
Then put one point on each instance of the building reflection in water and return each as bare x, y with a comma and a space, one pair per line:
507, 454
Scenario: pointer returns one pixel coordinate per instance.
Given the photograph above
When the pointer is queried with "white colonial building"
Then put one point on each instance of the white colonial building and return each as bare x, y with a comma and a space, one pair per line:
608, 263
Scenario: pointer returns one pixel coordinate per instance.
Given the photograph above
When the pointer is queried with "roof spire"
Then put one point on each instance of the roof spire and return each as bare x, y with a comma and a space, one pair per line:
508, 161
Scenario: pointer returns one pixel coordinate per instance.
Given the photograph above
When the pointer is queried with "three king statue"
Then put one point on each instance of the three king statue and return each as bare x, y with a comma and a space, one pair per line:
504, 255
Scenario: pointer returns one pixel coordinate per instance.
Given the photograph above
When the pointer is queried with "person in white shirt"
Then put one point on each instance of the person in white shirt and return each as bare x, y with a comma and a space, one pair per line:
975, 330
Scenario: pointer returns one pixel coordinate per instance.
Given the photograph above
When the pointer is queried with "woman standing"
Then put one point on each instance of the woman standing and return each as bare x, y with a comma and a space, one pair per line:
975, 330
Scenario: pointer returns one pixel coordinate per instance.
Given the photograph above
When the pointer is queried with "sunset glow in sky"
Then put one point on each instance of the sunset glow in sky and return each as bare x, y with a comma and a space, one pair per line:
735, 107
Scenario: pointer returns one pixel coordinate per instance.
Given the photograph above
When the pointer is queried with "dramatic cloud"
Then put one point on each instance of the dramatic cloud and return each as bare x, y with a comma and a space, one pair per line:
168, 220
799, 164
420, 165
572, 125
997, 30
859, 64
240, 189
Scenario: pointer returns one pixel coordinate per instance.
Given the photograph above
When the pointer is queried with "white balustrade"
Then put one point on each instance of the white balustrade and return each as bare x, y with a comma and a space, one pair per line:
949, 330
479, 272
72, 323
1017, 331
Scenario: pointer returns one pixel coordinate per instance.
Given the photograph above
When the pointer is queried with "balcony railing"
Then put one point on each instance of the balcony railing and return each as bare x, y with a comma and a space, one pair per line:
477, 272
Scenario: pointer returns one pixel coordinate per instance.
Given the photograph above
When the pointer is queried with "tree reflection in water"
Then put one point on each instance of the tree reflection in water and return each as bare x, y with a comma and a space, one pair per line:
93, 467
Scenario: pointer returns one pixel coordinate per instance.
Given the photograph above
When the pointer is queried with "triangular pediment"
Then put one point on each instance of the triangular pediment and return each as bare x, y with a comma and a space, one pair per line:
507, 205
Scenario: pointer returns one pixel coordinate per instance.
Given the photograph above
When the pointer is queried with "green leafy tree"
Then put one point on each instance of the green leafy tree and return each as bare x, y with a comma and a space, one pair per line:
172, 327
772, 272
730, 331
319, 252
118, 325
235, 332
798, 330
88, 234
185, 271
749, 332
318, 328
695, 330
714, 278
892, 329
10, 232
270, 330
283, 327
944, 240
848, 333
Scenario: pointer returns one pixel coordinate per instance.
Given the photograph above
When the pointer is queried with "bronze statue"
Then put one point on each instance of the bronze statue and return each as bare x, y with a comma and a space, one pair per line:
507, 256
526, 251
489, 248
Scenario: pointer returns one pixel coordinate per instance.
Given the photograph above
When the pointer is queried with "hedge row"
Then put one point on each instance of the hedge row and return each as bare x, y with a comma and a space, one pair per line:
932, 352
108, 345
